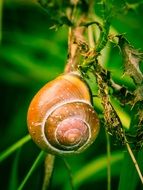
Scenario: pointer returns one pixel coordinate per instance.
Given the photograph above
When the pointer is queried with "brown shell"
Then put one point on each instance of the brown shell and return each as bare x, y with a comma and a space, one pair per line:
66, 96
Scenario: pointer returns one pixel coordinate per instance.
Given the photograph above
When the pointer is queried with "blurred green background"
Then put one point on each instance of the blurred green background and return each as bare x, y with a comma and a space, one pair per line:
31, 54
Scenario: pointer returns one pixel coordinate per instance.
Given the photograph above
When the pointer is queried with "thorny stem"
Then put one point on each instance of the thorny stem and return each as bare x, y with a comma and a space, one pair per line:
103, 91
49, 165
134, 160
108, 161
103, 37
116, 121
91, 43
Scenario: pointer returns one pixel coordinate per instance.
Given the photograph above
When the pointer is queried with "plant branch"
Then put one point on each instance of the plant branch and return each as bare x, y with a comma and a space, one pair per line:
49, 165
90, 37
108, 161
134, 161
75, 40
70, 173
38, 160
14, 147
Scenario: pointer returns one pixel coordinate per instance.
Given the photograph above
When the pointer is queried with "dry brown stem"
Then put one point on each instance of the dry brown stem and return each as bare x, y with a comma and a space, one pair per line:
75, 39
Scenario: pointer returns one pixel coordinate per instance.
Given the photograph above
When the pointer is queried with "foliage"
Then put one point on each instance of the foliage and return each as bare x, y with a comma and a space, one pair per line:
34, 47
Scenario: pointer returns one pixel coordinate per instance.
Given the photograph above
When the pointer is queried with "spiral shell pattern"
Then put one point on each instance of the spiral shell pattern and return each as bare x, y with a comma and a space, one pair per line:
61, 119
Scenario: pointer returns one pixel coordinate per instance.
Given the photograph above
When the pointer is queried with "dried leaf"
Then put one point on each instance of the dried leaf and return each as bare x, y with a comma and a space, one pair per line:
138, 94
139, 135
132, 59
121, 93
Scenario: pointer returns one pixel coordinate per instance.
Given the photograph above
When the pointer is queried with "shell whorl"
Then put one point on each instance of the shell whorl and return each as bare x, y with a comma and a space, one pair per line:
61, 119
72, 132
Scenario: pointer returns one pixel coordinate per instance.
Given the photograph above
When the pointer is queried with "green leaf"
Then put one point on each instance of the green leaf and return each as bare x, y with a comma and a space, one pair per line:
129, 178
97, 168
14, 147
123, 115
13, 184
36, 163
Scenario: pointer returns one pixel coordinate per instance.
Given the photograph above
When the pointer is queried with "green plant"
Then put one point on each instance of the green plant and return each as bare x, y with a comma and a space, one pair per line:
99, 50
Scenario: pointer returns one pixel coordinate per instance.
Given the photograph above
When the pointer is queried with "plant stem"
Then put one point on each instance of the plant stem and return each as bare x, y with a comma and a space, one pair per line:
108, 161
70, 173
75, 38
90, 37
14, 147
33, 167
49, 165
134, 160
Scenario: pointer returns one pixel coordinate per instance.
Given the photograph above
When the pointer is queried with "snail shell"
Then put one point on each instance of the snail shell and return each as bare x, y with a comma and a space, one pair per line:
61, 119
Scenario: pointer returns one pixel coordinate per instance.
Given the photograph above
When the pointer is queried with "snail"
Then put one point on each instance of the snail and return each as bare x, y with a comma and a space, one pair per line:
61, 119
